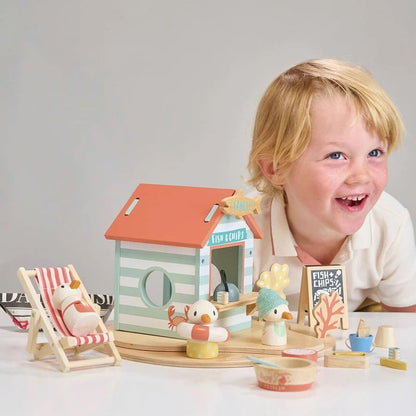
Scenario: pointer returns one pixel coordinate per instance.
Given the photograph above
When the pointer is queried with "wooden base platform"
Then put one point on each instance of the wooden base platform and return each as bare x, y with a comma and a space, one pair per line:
171, 351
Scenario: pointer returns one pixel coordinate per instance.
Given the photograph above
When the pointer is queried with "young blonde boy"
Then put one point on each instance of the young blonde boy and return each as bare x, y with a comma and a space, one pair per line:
322, 135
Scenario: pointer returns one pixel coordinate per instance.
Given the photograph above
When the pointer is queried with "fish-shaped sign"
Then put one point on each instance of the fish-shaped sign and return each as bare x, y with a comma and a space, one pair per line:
240, 205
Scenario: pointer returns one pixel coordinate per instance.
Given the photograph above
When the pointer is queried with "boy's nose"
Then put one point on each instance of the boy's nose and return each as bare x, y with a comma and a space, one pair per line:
359, 173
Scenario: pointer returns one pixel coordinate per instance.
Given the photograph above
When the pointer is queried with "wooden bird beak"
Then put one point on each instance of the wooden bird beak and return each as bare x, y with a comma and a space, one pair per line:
205, 318
287, 315
75, 284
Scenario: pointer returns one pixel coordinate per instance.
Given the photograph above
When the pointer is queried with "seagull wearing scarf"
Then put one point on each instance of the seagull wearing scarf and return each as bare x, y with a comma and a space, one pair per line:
273, 309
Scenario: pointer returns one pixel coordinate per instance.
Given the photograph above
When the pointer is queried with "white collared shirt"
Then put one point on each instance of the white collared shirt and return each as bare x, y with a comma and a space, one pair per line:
379, 259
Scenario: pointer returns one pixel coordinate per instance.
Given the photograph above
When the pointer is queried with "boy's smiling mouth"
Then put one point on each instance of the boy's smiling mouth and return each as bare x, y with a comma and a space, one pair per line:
352, 201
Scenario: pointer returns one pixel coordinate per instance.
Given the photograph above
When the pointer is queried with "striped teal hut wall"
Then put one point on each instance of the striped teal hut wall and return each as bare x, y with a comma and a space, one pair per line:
134, 311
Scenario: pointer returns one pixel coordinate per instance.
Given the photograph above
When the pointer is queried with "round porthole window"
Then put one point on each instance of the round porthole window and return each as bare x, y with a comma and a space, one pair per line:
157, 288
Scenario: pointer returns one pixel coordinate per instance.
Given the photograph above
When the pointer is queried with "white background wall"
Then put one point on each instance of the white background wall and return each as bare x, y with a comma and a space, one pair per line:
97, 96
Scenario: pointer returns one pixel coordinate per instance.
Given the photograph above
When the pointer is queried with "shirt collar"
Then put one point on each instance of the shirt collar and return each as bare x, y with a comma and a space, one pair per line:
284, 243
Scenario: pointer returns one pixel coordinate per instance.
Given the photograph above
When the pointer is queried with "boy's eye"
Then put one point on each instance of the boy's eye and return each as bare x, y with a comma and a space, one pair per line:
335, 155
375, 153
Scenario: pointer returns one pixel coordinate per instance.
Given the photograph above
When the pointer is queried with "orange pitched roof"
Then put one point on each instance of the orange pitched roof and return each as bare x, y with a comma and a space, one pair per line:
171, 215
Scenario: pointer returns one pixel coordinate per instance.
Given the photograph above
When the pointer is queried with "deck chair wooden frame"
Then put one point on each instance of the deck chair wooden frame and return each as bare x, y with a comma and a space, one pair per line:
66, 348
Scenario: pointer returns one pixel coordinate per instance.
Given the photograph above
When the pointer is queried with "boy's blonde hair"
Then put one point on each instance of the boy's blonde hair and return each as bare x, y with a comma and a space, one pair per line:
282, 127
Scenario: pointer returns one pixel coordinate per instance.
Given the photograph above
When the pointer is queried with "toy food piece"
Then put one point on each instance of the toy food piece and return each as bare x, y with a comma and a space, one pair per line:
80, 318
202, 337
363, 330
397, 364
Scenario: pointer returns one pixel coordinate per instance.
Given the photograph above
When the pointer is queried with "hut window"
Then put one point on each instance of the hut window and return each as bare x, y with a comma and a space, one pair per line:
157, 288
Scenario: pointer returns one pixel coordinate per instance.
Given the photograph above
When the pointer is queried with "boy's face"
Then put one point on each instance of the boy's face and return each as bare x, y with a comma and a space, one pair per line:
334, 184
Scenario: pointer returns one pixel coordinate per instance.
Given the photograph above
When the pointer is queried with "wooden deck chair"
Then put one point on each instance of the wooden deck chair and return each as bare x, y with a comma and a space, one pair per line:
61, 343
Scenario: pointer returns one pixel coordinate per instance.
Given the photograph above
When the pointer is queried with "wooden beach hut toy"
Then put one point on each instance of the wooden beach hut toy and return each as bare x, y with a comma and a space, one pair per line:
171, 244
61, 342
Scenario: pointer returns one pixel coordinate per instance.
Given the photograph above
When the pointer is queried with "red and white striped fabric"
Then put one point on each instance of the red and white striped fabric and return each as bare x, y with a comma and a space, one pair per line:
50, 278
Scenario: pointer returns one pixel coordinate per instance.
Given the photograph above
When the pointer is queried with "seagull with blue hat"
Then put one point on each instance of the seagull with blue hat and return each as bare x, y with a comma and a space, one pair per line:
273, 309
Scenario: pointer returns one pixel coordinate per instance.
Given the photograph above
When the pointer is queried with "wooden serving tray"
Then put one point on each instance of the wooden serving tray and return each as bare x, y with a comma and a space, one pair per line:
171, 351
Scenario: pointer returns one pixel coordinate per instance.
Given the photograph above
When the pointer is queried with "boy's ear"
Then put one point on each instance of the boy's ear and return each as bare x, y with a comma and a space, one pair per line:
270, 171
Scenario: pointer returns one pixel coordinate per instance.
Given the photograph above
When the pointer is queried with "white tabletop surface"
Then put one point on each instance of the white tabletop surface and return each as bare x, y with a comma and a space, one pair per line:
37, 388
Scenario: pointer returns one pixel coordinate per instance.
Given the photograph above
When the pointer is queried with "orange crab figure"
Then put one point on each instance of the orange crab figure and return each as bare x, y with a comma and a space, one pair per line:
176, 320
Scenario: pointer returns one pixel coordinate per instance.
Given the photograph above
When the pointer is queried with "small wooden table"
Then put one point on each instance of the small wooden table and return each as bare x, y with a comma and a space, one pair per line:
247, 299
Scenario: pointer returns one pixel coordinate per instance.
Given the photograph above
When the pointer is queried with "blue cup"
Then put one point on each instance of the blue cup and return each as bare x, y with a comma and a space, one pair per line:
362, 344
